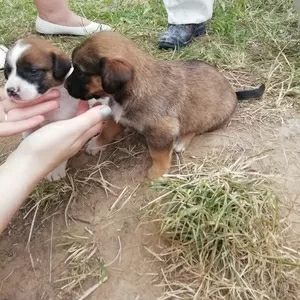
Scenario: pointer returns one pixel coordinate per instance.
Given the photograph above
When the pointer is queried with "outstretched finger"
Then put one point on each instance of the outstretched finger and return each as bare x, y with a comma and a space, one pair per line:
11, 128
83, 106
90, 133
24, 113
90, 118
51, 95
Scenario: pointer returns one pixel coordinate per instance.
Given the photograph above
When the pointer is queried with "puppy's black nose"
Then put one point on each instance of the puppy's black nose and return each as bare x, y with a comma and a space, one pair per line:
11, 91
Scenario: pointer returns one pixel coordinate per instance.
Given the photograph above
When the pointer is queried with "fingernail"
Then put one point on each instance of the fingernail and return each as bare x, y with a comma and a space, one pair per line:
105, 110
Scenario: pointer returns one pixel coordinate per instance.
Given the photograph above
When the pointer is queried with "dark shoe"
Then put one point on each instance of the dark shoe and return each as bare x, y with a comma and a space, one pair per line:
177, 36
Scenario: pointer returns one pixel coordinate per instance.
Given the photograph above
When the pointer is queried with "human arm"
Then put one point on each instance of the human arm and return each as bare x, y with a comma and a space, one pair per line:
40, 153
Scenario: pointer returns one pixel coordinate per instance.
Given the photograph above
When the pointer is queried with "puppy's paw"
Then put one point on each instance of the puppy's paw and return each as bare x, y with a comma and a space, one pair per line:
93, 147
101, 101
183, 142
179, 146
57, 174
156, 173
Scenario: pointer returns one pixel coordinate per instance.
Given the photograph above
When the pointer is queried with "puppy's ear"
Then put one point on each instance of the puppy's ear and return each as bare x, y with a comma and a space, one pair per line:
61, 65
114, 74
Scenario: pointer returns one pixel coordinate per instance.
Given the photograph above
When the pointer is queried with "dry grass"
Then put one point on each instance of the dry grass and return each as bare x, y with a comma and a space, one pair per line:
234, 247
226, 239
83, 262
50, 197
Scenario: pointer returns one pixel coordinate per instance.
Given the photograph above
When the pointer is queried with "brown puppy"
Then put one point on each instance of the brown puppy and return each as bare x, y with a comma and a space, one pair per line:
169, 102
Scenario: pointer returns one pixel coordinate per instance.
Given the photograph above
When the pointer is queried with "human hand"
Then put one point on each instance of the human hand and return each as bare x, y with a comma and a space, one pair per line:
52, 144
41, 152
17, 117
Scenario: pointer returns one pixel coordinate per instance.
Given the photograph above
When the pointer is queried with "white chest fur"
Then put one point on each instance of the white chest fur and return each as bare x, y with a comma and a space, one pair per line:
67, 109
116, 109
117, 112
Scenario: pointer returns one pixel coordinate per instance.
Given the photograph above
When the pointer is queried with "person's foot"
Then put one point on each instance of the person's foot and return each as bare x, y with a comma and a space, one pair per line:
70, 24
177, 36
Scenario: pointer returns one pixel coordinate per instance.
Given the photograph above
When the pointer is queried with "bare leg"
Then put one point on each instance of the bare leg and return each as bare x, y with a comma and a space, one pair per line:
58, 12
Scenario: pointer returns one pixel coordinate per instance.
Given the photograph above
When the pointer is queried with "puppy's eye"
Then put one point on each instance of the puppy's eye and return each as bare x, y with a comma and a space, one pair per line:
34, 70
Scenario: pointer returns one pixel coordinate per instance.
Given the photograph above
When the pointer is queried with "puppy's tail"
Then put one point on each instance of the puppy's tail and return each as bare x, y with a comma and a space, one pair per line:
256, 93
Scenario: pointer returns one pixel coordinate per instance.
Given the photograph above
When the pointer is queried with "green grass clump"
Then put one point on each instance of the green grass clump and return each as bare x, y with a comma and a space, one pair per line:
226, 238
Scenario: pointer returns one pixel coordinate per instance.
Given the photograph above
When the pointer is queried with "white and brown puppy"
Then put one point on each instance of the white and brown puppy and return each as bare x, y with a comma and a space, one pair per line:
34, 66
169, 102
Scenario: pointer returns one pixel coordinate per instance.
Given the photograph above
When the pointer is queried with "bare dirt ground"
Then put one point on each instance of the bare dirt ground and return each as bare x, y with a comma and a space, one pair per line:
126, 243
249, 39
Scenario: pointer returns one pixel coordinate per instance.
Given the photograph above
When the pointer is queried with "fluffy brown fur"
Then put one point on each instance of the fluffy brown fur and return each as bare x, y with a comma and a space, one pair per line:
169, 102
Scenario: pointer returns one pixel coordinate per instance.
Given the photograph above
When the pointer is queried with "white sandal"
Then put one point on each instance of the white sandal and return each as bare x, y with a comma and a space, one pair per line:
45, 27
3, 51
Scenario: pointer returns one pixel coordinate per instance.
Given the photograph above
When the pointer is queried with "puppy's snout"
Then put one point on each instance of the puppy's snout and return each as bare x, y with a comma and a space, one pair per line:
11, 91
